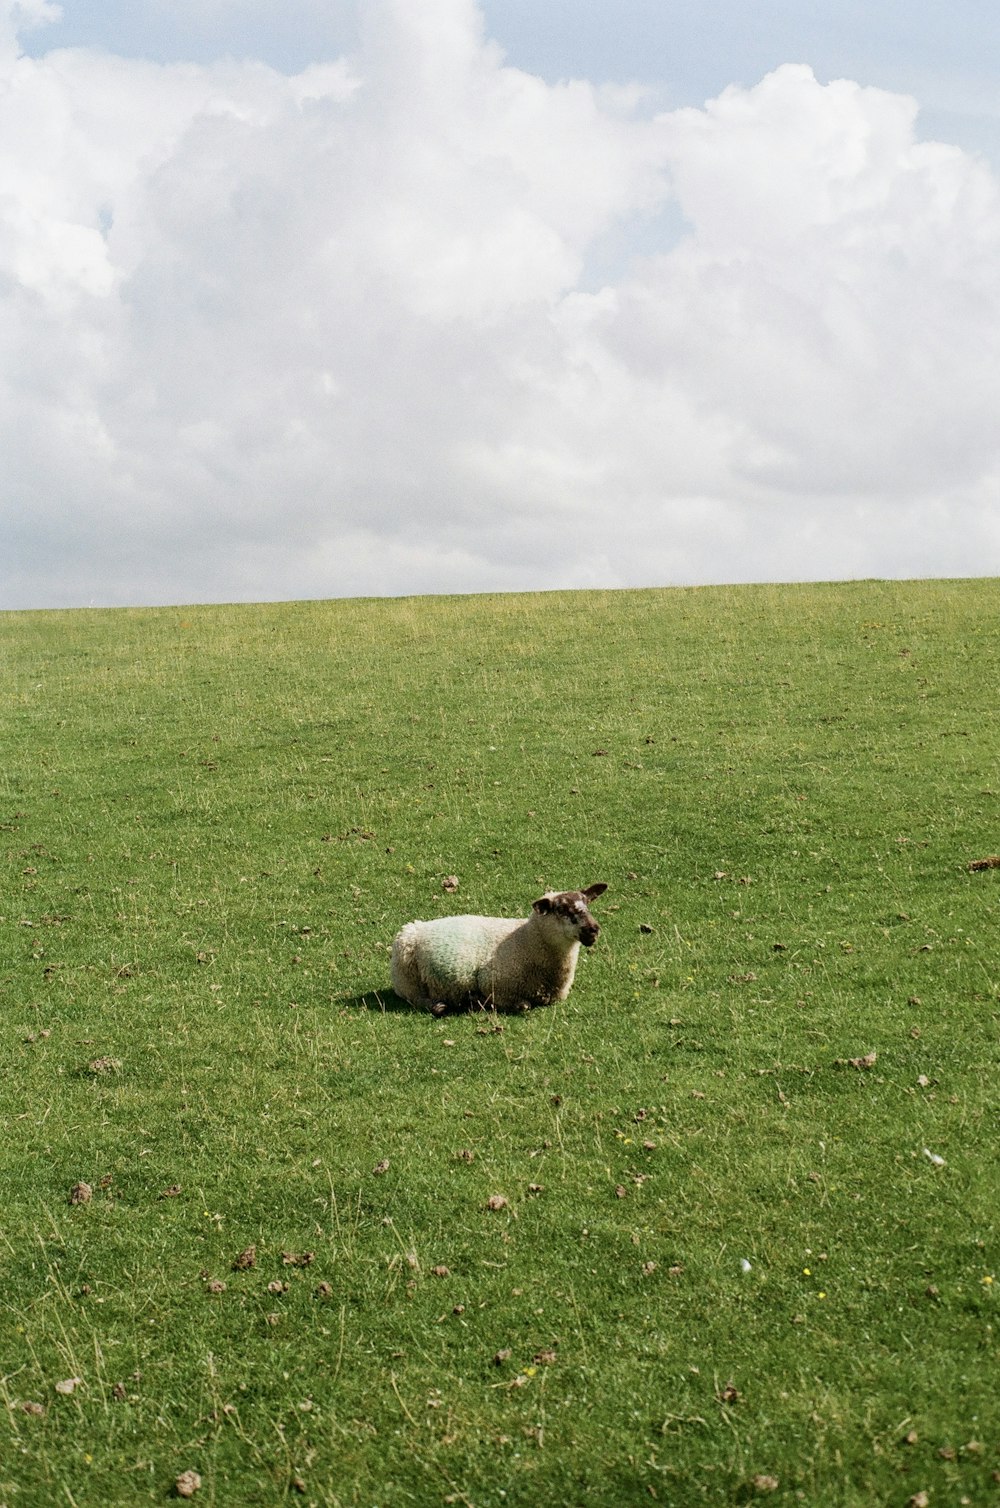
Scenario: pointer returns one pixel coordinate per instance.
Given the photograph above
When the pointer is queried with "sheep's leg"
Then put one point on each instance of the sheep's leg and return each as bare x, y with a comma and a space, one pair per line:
428, 1003
421, 1002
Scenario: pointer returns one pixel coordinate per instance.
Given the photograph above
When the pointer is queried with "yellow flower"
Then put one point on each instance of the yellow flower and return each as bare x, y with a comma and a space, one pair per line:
807, 1271
821, 1294
988, 1280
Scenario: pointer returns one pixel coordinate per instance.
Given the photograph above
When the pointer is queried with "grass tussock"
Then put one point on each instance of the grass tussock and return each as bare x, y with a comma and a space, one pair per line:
721, 1227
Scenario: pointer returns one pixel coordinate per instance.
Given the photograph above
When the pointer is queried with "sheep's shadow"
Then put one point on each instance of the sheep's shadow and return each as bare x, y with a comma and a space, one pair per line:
380, 1000
386, 1001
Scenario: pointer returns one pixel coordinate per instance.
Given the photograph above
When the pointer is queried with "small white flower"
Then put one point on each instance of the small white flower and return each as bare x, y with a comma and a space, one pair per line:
935, 1159
745, 1265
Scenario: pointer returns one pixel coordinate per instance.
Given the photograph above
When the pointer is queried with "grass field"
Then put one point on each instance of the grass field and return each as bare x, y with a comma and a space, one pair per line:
733, 1265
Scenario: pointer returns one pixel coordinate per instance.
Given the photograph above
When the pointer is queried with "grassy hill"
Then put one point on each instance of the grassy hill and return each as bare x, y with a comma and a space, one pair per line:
750, 1243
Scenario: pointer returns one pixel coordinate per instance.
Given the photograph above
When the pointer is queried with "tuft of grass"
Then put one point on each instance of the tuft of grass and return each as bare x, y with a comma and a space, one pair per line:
746, 1231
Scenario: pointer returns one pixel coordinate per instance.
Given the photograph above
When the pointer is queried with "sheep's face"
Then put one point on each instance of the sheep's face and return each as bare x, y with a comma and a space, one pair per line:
570, 909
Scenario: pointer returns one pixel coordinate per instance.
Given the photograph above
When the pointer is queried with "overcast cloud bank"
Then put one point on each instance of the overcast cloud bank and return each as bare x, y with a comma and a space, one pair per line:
342, 333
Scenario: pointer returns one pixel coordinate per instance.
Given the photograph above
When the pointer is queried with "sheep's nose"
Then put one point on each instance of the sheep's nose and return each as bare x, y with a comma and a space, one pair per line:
589, 935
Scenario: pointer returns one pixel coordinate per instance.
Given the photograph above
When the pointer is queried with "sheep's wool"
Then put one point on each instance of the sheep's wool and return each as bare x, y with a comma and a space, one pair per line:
453, 950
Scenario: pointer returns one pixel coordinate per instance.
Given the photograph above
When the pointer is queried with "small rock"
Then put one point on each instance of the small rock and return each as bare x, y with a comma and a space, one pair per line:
187, 1484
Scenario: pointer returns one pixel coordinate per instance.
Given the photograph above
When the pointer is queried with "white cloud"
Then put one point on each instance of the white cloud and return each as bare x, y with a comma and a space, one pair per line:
265, 336
25, 14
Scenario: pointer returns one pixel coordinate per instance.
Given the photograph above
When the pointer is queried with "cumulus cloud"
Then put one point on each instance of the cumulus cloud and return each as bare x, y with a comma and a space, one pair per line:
336, 333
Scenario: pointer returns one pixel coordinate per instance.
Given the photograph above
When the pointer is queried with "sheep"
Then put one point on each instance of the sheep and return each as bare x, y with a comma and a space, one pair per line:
457, 962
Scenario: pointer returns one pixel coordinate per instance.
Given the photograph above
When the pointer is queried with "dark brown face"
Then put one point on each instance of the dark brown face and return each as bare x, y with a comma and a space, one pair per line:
572, 907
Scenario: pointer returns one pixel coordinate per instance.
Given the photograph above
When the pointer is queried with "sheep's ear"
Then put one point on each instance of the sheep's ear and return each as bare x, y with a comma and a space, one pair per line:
593, 891
542, 905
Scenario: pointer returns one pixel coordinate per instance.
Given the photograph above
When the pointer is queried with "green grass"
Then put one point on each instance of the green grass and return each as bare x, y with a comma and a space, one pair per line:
214, 820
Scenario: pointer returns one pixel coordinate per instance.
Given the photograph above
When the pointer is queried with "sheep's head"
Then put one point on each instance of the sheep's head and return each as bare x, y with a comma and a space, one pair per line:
571, 909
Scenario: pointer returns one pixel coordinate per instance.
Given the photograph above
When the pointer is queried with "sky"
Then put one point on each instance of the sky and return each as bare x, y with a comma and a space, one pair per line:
336, 299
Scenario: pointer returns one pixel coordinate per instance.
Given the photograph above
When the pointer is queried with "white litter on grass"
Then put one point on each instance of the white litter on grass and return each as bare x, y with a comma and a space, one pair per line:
745, 1265
938, 1162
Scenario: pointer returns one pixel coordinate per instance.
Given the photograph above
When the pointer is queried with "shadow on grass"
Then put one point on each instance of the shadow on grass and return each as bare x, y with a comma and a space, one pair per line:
380, 1000
387, 1000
